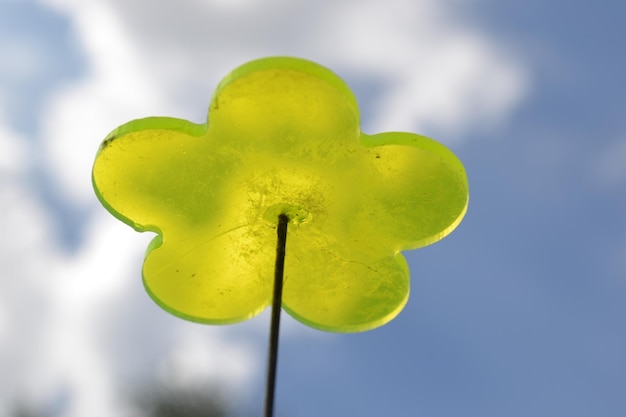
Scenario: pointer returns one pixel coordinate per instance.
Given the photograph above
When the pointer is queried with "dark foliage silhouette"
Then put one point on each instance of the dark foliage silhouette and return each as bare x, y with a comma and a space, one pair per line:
174, 401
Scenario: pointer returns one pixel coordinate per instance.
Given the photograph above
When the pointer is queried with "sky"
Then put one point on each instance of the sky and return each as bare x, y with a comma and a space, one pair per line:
519, 312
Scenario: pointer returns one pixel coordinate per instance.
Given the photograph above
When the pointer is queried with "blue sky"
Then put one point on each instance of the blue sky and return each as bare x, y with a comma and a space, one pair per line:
520, 312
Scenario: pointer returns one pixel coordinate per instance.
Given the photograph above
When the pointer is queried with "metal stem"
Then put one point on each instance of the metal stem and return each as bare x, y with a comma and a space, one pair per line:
272, 358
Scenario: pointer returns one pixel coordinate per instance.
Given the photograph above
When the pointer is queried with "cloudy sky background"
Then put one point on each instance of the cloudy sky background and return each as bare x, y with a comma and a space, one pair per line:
520, 312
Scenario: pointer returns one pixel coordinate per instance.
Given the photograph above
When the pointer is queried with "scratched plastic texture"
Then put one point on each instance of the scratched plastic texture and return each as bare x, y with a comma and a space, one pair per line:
282, 136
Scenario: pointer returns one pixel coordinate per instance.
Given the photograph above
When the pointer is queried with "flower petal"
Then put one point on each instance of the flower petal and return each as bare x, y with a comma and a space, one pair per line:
419, 191
215, 279
160, 173
331, 288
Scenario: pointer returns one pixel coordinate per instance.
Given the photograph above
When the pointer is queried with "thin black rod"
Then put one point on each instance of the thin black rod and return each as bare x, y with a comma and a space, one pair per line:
277, 298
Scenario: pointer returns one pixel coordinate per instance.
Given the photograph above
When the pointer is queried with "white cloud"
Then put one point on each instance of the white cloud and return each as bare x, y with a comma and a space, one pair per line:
13, 153
439, 75
67, 303
24, 252
55, 308
77, 118
85, 292
166, 58
197, 359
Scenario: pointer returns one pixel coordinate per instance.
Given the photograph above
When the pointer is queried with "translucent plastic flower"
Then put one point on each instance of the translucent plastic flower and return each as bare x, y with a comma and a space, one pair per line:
282, 137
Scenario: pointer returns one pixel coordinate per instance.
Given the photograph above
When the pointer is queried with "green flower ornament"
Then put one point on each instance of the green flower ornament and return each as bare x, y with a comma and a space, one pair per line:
282, 137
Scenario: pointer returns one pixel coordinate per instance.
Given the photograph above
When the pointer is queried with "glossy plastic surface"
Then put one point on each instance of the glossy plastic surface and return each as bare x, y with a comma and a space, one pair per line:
282, 137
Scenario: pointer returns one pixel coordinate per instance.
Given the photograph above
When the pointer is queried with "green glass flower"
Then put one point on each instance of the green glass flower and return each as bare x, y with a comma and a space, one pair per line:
282, 137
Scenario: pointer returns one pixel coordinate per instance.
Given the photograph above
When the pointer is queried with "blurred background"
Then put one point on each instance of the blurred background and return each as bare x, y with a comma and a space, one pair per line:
520, 312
